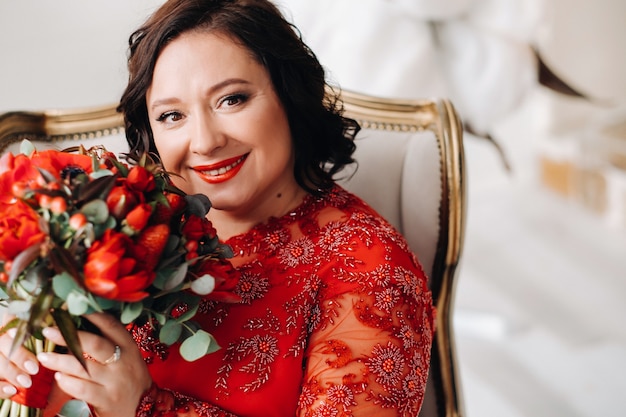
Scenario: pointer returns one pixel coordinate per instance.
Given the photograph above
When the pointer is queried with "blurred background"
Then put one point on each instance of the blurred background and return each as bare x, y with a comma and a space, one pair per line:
540, 85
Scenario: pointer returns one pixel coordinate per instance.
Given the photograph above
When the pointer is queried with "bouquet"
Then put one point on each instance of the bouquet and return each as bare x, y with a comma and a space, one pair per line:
82, 232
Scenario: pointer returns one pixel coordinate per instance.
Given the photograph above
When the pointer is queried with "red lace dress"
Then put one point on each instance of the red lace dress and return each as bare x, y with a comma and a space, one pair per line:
336, 320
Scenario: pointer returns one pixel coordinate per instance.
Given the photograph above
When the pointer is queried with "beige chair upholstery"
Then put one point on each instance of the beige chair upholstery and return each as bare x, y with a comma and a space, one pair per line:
411, 170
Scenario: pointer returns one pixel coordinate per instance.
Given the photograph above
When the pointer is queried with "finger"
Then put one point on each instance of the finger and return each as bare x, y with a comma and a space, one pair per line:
66, 363
15, 367
21, 357
111, 328
7, 390
94, 347
76, 387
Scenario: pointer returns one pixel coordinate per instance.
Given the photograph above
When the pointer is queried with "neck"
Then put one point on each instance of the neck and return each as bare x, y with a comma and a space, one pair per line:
230, 223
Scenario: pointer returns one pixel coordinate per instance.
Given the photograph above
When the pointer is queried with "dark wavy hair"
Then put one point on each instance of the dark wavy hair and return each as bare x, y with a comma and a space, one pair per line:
323, 138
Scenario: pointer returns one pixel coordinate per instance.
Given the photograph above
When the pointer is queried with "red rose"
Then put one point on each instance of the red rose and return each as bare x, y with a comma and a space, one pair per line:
19, 229
110, 271
140, 179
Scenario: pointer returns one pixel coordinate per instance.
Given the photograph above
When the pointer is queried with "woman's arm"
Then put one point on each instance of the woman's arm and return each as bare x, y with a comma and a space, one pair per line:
371, 354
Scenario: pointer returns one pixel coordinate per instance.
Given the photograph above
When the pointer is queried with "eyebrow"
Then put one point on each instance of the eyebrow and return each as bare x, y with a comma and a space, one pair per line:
216, 87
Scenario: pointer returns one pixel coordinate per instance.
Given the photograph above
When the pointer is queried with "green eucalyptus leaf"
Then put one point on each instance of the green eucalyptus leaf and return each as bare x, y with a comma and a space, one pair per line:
67, 327
63, 284
27, 148
3, 294
96, 211
198, 345
170, 332
160, 317
177, 277
162, 276
75, 408
105, 303
203, 285
130, 312
101, 173
19, 308
77, 303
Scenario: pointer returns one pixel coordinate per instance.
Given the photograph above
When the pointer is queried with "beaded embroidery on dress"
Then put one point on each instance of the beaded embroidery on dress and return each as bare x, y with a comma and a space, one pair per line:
335, 319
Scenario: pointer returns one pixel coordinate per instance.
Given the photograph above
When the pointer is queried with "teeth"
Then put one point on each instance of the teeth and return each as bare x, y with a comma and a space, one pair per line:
223, 170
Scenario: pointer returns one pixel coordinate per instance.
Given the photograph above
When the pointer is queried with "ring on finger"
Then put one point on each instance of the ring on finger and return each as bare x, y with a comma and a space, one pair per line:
117, 353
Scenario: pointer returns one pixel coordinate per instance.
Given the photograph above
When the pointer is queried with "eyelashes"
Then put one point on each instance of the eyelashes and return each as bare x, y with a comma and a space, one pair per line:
234, 99
225, 103
170, 116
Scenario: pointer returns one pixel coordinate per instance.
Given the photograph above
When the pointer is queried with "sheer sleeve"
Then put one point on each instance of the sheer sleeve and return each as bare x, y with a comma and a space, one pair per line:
371, 353
159, 402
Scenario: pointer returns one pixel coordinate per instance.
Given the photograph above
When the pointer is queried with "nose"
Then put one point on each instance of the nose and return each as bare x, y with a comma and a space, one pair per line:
206, 135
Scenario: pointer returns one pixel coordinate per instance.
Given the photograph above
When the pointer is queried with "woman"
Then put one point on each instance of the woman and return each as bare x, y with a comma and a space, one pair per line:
335, 318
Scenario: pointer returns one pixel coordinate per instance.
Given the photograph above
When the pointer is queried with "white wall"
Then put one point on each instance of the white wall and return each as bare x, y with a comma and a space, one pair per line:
71, 53
65, 53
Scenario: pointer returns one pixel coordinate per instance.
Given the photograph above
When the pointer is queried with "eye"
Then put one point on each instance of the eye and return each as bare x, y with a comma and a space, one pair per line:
232, 100
169, 117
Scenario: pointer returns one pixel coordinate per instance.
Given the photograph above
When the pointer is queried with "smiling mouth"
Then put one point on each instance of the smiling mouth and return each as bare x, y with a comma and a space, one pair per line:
221, 171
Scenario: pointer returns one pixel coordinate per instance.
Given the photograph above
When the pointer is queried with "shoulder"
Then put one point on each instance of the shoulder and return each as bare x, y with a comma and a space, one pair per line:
360, 242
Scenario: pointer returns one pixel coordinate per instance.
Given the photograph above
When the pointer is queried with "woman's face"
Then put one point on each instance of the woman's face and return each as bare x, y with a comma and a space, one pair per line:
220, 128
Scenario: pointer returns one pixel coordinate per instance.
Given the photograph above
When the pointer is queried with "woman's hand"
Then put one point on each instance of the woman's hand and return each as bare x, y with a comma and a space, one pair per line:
116, 377
16, 368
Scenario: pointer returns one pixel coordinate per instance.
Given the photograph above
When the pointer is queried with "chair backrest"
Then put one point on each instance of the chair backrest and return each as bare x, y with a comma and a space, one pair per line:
410, 169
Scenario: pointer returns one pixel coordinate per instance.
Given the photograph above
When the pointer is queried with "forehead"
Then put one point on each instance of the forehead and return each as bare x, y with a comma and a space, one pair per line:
206, 54
207, 44
197, 64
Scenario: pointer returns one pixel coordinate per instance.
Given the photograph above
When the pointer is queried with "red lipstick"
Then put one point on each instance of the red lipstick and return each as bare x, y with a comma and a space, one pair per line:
221, 171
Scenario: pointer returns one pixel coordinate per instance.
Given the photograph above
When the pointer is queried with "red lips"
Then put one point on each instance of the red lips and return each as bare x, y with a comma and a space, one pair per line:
221, 171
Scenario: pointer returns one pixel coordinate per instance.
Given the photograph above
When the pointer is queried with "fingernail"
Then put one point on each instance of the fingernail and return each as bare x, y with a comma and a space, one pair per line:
24, 380
49, 332
12, 332
43, 357
9, 390
31, 367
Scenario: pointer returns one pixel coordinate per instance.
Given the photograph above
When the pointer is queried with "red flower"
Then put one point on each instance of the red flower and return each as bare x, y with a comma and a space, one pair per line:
121, 201
110, 271
226, 279
140, 179
138, 217
17, 174
60, 164
19, 229
197, 227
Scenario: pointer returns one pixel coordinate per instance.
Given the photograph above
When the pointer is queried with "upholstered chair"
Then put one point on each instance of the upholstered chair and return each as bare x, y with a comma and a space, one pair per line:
410, 169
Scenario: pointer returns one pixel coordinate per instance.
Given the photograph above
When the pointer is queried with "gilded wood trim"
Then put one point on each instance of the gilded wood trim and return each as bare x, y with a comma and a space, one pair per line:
440, 117
53, 125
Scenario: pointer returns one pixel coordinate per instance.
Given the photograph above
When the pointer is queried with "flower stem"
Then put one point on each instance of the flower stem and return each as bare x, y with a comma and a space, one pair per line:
4, 410
15, 409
